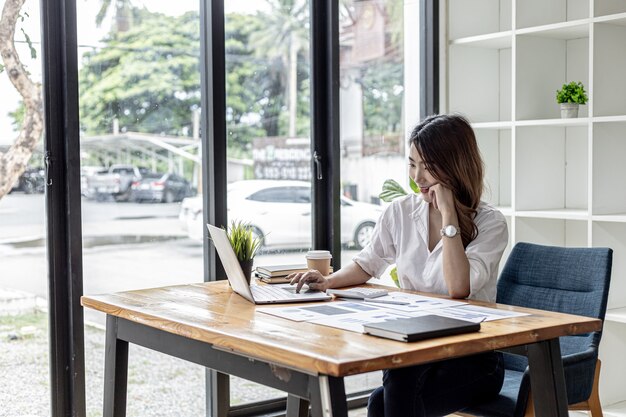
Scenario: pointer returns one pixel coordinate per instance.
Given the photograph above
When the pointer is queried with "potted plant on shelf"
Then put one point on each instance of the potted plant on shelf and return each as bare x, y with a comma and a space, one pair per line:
570, 96
245, 244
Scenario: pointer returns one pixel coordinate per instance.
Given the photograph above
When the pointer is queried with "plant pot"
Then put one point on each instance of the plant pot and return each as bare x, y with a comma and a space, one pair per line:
246, 267
569, 110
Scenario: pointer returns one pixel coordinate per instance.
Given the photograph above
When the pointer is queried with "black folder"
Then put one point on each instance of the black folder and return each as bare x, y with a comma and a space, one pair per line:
419, 328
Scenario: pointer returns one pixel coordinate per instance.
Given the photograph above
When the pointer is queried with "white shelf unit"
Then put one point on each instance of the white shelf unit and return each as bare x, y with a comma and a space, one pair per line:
558, 181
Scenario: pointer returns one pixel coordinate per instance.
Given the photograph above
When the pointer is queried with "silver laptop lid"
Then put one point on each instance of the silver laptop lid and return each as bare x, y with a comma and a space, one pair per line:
235, 275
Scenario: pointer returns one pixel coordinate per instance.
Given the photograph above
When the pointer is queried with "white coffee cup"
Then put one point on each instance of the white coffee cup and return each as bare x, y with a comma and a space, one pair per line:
319, 260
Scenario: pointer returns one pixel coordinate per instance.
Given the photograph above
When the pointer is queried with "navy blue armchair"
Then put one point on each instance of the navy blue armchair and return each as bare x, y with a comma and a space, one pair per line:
567, 280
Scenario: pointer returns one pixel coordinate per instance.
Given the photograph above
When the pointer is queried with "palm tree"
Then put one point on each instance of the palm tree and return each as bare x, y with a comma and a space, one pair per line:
13, 162
286, 33
123, 14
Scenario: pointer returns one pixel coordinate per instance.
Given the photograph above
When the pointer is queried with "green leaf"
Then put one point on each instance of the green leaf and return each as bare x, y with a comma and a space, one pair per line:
394, 276
574, 92
244, 243
391, 190
414, 186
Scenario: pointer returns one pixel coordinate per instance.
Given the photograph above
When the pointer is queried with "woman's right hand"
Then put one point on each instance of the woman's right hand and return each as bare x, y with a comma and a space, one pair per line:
313, 278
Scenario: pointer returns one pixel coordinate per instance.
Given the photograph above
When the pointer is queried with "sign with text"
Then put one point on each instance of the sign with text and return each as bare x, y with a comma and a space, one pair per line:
277, 158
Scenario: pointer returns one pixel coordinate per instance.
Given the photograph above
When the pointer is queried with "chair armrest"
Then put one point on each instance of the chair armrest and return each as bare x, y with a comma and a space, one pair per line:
591, 353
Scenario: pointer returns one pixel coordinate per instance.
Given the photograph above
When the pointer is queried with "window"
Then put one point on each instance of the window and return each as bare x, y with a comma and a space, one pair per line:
139, 97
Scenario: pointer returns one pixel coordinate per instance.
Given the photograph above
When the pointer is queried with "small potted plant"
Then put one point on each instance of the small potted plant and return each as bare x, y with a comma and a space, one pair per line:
245, 244
570, 96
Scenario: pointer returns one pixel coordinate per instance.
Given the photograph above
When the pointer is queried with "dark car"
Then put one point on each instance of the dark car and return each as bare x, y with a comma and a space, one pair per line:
33, 180
165, 188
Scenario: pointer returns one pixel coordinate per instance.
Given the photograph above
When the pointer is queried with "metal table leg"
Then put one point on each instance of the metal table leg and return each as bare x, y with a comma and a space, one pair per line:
547, 379
115, 371
328, 397
297, 407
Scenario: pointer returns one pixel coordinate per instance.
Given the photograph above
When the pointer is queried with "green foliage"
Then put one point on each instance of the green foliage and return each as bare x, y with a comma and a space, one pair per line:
392, 190
383, 92
244, 242
574, 92
148, 78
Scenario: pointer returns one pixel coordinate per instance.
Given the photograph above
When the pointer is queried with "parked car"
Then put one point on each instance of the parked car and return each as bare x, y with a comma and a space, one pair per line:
32, 180
164, 188
115, 182
86, 173
280, 212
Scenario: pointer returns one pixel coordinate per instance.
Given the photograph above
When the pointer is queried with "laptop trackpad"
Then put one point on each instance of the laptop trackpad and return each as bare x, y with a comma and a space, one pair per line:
292, 289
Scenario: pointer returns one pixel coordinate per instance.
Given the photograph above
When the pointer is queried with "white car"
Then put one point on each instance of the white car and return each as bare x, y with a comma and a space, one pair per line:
280, 212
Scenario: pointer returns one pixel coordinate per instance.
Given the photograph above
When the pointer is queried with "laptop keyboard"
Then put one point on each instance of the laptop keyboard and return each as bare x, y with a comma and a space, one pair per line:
267, 292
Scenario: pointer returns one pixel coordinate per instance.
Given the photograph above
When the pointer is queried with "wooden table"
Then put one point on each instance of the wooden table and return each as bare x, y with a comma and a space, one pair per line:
208, 324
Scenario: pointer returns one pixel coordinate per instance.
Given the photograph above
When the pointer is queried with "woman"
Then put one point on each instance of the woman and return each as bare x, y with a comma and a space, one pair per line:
443, 240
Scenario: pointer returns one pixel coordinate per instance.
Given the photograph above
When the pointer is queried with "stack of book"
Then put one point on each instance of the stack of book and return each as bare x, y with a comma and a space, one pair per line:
277, 274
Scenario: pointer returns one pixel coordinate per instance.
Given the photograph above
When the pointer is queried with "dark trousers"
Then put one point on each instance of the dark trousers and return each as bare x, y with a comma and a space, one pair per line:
439, 388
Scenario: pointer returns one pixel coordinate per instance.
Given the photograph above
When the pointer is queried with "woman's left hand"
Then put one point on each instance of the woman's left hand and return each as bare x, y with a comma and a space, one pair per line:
442, 198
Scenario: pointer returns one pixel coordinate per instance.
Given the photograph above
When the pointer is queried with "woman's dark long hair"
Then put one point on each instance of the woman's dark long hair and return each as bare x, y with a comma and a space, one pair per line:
447, 145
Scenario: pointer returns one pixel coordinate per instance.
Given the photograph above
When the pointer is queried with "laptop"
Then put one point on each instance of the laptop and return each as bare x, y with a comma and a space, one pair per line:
257, 294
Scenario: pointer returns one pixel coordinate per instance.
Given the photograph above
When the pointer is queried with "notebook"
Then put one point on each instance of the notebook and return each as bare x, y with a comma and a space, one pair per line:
257, 294
280, 270
411, 329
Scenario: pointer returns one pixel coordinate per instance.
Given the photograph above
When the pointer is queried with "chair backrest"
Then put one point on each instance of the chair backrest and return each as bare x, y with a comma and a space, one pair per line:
567, 280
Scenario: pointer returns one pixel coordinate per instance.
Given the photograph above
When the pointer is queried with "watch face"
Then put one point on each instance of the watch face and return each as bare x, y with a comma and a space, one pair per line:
450, 230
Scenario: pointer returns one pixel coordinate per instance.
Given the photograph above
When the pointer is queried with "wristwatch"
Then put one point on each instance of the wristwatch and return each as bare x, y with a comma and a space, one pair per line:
450, 231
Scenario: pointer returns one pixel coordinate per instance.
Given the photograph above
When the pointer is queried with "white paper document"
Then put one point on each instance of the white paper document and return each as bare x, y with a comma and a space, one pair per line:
477, 313
414, 304
354, 322
311, 312
351, 315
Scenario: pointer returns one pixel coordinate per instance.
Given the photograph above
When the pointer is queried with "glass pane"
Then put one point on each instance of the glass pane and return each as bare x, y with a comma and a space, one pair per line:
24, 361
372, 109
268, 128
139, 86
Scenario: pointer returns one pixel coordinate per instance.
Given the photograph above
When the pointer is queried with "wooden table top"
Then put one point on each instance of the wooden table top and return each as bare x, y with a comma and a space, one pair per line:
213, 313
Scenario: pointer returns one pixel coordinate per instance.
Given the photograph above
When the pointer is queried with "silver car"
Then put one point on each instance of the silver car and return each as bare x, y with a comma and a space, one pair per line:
280, 213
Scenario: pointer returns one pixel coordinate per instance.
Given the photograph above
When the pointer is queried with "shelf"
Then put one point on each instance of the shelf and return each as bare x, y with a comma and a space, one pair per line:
543, 65
565, 31
608, 119
492, 125
615, 218
500, 40
619, 19
564, 214
581, 121
557, 181
617, 315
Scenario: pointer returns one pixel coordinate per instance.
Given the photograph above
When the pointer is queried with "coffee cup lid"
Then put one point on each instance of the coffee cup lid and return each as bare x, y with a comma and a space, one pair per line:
318, 254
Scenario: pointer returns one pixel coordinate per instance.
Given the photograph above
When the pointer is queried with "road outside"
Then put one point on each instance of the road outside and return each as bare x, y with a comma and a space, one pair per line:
125, 246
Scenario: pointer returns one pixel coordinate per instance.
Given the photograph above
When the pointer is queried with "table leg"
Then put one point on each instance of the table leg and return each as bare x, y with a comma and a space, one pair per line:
547, 379
328, 397
115, 372
297, 407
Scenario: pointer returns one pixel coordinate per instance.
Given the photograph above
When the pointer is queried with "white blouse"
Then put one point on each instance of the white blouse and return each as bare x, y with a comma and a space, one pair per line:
401, 237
